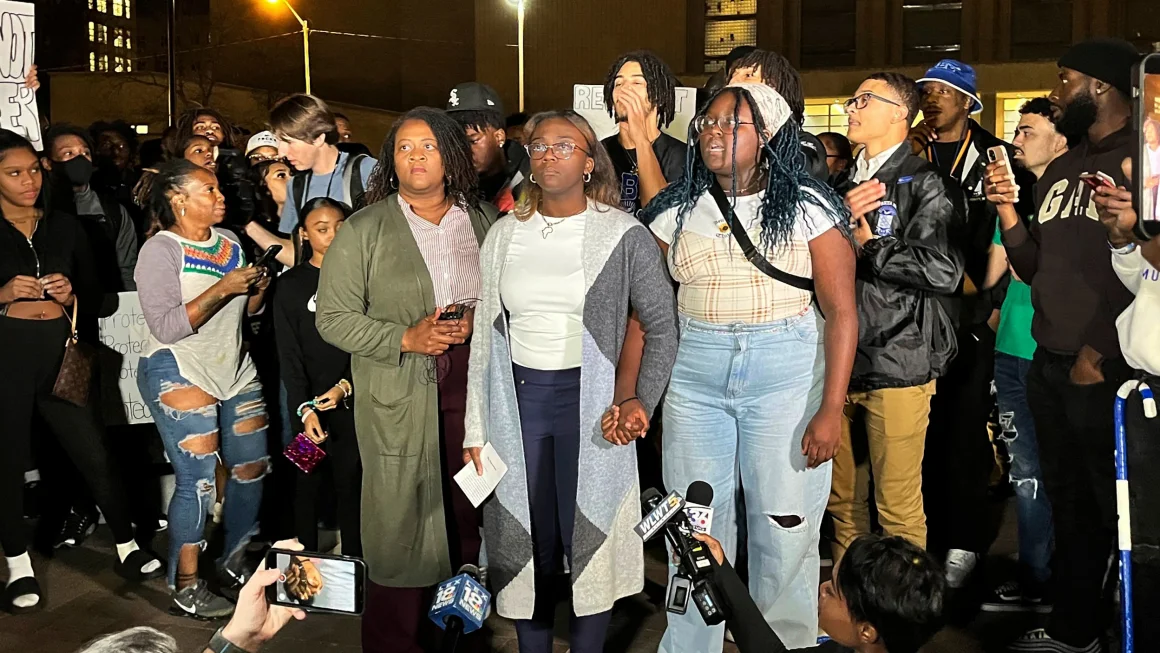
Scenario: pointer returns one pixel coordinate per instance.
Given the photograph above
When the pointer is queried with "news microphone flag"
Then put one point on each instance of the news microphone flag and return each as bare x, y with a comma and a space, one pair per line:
461, 599
700, 517
656, 519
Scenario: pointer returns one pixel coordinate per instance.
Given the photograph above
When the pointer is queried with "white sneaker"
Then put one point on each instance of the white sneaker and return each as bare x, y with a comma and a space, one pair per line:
959, 566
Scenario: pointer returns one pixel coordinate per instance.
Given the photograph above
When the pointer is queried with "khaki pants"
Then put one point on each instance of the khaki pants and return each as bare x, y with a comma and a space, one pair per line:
895, 421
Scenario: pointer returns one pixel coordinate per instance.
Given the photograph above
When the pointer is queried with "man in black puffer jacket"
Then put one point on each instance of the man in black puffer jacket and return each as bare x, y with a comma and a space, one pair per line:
907, 217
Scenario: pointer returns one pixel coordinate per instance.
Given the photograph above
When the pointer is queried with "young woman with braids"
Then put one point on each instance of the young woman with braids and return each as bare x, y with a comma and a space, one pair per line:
756, 397
776, 72
201, 384
390, 273
558, 276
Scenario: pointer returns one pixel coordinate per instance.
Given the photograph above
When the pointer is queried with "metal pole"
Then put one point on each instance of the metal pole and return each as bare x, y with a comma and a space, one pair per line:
520, 47
171, 28
306, 52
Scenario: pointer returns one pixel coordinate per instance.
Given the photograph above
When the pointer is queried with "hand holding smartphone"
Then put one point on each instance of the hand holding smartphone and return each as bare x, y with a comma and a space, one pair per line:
1096, 179
317, 582
267, 258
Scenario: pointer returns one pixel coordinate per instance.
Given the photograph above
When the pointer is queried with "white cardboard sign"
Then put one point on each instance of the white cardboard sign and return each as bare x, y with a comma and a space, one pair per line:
18, 110
588, 101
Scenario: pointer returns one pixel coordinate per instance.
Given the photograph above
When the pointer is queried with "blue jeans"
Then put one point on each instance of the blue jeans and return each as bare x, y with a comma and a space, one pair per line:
737, 407
198, 430
1033, 510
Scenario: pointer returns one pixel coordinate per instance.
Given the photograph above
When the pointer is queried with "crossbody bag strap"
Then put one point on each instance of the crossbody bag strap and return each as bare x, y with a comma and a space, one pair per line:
755, 257
73, 319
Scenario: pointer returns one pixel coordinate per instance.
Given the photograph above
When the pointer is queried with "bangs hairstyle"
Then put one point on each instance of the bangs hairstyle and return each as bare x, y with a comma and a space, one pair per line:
167, 182
894, 586
188, 119
777, 73
304, 118
788, 186
905, 88
658, 77
302, 249
460, 182
478, 119
605, 184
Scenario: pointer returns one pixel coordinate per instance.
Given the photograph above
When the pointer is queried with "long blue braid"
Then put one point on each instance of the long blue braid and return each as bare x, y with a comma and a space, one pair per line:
787, 182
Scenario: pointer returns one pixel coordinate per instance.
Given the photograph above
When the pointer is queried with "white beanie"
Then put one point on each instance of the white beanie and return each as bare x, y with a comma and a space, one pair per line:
261, 139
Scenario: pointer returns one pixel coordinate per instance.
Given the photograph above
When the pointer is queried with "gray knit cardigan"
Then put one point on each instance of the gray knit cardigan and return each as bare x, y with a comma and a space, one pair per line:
622, 264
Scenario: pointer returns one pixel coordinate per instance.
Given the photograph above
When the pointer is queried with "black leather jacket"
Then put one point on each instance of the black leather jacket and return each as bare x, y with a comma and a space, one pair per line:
906, 276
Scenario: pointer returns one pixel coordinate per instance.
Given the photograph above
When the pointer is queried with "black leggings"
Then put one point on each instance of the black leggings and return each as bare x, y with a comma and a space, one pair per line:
31, 352
342, 467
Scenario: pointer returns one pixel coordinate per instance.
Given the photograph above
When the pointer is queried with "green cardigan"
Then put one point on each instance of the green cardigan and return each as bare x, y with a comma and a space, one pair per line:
375, 285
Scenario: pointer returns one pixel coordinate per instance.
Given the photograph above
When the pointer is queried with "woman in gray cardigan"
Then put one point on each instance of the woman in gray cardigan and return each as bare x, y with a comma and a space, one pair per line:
558, 278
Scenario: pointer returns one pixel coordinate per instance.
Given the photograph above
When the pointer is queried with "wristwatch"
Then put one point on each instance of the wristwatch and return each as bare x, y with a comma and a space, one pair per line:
219, 644
1126, 249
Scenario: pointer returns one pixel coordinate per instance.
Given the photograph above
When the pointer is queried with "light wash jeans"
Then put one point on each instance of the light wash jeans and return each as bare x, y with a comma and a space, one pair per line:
233, 431
1032, 508
737, 407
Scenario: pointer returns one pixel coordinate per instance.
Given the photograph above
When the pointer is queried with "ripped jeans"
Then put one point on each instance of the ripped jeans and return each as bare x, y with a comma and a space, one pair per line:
197, 431
1033, 510
738, 404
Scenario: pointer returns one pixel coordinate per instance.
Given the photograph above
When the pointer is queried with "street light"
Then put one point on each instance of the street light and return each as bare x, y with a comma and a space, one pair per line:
305, 39
519, 5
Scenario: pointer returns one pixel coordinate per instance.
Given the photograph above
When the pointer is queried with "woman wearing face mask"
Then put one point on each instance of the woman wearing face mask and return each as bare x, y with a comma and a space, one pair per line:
756, 398
203, 389
316, 371
558, 277
393, 269
41, 253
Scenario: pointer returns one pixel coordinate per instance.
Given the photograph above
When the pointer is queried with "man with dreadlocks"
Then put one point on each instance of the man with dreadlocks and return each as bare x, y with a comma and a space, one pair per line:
755, 402
502, 163
640, 92
775, 71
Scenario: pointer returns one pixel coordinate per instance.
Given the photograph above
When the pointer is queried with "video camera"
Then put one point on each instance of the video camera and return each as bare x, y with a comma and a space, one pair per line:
695, 563
233, 172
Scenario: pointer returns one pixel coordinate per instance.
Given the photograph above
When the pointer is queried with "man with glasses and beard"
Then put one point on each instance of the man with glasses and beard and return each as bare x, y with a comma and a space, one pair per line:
1078, 365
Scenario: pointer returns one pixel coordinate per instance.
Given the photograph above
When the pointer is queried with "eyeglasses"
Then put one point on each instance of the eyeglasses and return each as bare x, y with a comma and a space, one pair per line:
727, 124
860, 102
560, 150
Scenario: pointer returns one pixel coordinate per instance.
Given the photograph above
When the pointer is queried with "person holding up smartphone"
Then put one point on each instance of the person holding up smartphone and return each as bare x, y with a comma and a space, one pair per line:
201, 385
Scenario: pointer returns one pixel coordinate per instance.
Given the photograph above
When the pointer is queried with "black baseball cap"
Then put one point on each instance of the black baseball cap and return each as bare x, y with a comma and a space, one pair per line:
473, 96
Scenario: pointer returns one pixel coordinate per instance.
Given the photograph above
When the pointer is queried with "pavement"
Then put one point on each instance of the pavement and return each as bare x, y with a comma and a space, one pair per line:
86, 599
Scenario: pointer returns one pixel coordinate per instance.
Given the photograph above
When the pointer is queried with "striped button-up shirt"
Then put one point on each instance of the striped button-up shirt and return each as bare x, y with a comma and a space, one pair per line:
450, 251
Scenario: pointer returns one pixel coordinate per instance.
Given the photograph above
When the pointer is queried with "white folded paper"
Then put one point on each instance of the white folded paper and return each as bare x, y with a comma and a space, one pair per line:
476, 487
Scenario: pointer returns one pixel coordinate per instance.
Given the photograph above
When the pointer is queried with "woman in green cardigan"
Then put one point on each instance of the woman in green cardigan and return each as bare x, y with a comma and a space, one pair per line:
390, 273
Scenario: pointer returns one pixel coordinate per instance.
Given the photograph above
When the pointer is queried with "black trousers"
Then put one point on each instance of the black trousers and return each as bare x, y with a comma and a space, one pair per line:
1143, 436
342, 469
959, 458
29, 363
1074, 425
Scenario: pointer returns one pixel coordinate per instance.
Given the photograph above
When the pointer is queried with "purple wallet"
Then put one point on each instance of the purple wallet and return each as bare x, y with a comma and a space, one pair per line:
304, 453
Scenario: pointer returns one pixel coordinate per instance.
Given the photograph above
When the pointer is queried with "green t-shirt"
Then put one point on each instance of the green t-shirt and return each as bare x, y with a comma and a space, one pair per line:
1014, 335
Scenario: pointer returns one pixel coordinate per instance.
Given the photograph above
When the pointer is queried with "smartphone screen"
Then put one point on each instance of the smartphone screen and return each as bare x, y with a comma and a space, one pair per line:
1146, 163
317, 582
267, 256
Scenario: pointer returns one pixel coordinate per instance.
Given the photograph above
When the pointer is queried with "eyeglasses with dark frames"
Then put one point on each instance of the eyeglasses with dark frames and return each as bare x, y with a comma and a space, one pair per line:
860, 101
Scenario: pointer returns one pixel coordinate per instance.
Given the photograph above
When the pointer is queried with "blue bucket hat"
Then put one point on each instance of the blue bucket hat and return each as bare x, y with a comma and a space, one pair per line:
958, 76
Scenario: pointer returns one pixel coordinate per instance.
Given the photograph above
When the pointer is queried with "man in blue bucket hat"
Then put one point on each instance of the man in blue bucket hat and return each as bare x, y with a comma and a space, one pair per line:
959, 456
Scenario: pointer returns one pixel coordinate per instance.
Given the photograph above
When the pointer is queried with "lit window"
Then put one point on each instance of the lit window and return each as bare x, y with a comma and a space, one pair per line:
103, 6
118, 38
90, 4
128, 43
92, 32
104, 67
92, 62
128, 65
102, 34
825, 115
721, 36
141, 129
730, 7
127, 12
118, 65
118, 7
1007, 118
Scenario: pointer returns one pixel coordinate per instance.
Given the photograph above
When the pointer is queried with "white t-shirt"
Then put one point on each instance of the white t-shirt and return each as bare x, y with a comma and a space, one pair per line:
718, 284
542, 286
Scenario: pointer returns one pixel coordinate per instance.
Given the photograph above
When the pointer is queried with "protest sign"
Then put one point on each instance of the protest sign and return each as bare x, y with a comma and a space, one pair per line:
123, 333
588, 101
18, 110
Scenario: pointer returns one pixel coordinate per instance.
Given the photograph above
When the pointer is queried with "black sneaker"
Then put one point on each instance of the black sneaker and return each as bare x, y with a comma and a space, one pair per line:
1038, 641
1011, 597
197, 602
77, 526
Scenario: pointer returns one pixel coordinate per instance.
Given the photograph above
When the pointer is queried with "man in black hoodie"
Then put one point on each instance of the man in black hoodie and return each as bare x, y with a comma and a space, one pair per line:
1078, 366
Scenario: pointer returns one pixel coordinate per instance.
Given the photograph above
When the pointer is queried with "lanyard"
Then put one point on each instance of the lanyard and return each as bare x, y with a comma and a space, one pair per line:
931, 155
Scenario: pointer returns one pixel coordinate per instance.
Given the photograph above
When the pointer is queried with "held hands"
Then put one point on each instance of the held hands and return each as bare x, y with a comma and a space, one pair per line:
471, 455
621, 424
329, 400
820, 442
58, 287
999, 184
312, 427
431, 337
255, 621
863, 199
21, 287
30, 80
713, 545
1115, 209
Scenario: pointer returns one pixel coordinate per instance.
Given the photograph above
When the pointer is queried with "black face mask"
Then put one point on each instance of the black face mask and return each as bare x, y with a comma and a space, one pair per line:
78, 170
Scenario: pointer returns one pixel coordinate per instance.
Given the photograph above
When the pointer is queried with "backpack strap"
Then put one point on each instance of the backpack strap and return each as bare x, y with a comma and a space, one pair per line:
298, 185
755, 257
352, 180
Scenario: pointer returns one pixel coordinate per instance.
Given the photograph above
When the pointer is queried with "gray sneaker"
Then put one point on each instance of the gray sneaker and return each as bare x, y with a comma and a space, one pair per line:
197, 602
